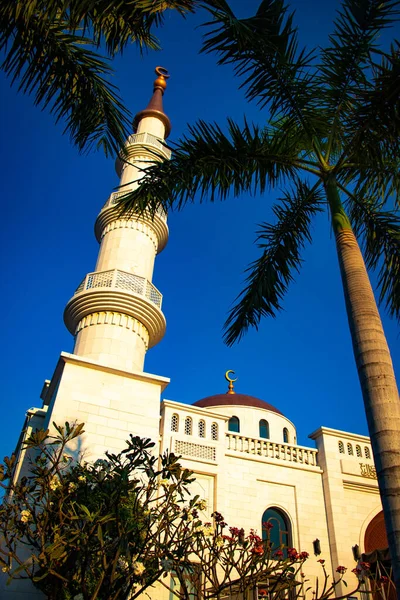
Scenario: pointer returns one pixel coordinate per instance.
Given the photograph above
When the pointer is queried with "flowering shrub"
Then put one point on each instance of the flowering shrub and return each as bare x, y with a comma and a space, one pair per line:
106, 530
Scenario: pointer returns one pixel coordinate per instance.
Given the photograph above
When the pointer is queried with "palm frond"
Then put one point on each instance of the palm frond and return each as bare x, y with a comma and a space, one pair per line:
373, 132
379, 232
372, 177
269, 276
265, 53
64, 75
113, 22
345, 63
210, 164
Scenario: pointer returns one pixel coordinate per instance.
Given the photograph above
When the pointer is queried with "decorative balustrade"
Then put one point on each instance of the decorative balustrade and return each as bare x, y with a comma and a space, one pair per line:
116, 196
121, 280
147, 139
271, 450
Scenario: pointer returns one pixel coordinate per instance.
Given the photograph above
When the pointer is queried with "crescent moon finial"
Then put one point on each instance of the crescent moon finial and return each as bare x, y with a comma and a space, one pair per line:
231, 381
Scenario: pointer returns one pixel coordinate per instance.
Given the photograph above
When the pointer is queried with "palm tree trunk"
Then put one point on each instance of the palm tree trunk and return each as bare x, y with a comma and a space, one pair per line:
375, 371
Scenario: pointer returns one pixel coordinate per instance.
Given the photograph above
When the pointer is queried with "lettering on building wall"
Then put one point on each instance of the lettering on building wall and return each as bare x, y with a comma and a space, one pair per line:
368, 471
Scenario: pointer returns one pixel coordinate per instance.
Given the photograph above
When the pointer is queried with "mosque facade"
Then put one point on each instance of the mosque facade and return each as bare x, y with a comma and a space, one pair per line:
242, 450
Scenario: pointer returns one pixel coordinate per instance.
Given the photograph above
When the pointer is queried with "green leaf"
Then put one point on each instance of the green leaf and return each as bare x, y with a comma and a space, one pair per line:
270, 275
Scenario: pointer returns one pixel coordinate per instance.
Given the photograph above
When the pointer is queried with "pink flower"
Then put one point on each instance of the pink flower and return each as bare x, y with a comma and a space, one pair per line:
303, 555
365, 565
278, 554
258, 549
292, 553
383, 579
322, 561
267, 525
341, 570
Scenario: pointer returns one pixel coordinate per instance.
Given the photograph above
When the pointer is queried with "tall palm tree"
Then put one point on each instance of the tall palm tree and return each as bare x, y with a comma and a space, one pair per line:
50, 50
332, 136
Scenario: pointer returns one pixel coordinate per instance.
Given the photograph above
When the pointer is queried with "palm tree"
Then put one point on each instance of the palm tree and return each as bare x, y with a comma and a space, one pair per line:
332, 137
50, 51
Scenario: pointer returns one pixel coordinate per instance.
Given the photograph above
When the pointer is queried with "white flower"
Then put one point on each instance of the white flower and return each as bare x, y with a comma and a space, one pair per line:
26, 516
201, 504
81, 478
138, 568
72, 487
66, 458
207, 530
55, 483
164, 482
78, 597
219, 542
5, 569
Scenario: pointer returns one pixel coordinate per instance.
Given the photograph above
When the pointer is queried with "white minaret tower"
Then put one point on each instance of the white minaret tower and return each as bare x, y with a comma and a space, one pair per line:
115, 312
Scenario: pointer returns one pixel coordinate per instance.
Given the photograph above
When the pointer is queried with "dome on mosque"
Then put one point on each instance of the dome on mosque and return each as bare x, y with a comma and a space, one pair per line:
235, 400
231, 398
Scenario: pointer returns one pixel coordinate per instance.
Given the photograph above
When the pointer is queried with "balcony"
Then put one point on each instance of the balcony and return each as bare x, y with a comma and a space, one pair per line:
116, 196
121, 280
136, 141
271, 451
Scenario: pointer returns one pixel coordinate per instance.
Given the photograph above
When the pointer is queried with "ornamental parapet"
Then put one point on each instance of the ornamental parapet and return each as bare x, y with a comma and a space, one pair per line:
111, 213
116, 290
138, 144
272, 451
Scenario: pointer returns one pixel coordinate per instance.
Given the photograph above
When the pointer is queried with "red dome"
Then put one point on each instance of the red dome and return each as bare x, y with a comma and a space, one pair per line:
235, 400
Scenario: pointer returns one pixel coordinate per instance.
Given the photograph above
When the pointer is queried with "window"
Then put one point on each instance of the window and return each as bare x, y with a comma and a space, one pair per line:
174, 423
358, 451
276, 529
188, 426
202, 428
367, 452
234, 425
285, 435
341, 447
350, 449
214, 431
264, 429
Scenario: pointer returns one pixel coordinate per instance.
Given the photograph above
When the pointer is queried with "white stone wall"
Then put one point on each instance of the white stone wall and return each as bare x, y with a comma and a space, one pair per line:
112, 403
351, 491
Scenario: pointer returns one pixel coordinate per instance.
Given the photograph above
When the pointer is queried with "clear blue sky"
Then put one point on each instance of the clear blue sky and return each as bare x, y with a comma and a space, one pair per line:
301, 362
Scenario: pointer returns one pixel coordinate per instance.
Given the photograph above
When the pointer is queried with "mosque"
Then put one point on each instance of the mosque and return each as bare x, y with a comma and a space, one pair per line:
324, 499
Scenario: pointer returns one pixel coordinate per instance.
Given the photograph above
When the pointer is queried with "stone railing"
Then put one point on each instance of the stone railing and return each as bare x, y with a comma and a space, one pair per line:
116, 196
121, 280
271, 450
147, 139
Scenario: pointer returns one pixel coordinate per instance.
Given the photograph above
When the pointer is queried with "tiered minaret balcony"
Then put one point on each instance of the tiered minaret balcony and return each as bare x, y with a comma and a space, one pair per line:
116, 291
134, 146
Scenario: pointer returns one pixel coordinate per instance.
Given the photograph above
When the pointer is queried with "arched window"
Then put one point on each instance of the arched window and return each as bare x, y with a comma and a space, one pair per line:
214, 431
276, 529
341, 447
264, 429
234, 425
367, 452
174, 423
358, 451
285, 435
350, 449
202, 428
188, 426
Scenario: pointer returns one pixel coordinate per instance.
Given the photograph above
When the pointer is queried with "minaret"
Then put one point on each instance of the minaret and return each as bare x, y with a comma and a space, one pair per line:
115, 313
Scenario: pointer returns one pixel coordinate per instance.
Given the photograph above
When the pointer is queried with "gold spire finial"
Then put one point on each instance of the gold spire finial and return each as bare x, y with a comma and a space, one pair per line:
231, 382
160, 82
